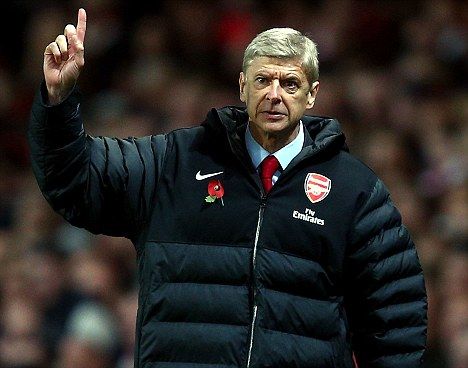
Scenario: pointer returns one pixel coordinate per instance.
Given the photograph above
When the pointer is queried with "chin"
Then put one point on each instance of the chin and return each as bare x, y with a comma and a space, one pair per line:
279, 130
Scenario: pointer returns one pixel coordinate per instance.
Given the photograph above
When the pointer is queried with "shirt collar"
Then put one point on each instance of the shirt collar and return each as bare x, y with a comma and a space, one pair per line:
284, 155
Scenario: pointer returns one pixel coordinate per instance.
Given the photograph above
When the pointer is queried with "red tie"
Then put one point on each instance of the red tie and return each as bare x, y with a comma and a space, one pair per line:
267, 168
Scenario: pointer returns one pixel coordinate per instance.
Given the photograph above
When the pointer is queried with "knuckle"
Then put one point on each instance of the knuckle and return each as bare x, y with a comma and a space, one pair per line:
69, 28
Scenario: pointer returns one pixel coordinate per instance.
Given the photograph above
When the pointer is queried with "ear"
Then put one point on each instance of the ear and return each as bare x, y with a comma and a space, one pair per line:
242, 86
312, 95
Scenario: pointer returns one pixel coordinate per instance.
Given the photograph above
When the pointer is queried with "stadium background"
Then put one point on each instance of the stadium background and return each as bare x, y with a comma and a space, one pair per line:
393, 72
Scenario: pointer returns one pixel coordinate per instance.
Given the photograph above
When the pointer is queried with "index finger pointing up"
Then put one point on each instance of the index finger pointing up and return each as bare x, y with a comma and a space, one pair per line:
81, 26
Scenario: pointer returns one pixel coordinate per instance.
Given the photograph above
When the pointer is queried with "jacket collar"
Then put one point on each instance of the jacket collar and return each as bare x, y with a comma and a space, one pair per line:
321, 134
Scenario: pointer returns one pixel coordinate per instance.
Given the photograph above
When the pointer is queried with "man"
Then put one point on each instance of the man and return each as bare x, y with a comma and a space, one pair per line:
298, 260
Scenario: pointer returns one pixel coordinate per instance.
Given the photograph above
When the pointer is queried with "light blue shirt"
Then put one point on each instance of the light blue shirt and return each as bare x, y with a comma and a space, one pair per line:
284, 155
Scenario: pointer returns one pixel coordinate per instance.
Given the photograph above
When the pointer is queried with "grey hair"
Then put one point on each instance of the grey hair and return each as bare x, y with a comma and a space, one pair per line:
285, 43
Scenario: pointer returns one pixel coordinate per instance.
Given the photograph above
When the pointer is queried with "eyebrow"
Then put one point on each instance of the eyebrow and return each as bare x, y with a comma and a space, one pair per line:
287, 75
293, 76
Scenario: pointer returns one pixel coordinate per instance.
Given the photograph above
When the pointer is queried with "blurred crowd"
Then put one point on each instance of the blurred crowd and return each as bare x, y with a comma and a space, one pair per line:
394, 73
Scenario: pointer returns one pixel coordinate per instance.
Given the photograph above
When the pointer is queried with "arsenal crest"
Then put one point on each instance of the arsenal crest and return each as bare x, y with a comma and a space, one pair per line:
316, 187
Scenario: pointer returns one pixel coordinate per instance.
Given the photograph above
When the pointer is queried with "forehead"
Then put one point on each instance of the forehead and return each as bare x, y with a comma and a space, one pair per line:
276, 66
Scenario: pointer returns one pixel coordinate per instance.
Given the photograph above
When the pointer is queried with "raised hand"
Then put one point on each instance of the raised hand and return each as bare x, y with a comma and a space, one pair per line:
63, 60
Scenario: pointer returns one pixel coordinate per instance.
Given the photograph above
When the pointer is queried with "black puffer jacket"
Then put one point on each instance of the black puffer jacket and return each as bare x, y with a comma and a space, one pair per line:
302, 277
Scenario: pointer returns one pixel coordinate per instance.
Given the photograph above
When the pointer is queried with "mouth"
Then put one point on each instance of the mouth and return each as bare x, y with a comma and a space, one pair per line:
273, 115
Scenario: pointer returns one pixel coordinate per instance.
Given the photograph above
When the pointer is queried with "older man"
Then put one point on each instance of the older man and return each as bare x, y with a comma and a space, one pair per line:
261, 241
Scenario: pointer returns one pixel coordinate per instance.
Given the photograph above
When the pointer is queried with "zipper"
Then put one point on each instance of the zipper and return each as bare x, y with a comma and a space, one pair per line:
254, 256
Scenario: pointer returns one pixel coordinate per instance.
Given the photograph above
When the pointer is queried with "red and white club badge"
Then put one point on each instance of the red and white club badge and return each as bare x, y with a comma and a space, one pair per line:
316, 187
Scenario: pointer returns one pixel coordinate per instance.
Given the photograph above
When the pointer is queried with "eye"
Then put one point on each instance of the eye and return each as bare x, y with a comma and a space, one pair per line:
261, 80
291, 86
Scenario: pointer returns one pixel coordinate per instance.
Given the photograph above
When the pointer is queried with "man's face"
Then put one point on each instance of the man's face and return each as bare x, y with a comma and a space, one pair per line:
277, 93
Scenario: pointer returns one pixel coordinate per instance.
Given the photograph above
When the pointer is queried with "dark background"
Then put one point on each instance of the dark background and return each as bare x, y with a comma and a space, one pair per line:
393, 72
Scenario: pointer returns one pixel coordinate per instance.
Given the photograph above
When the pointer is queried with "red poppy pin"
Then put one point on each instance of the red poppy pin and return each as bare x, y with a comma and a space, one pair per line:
215, 191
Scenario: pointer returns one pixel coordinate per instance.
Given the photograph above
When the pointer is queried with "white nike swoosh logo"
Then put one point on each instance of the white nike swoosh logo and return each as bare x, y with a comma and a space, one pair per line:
199, 176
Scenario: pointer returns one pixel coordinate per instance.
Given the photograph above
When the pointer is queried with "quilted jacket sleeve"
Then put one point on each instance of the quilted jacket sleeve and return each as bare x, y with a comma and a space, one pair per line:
102, 184
385, 297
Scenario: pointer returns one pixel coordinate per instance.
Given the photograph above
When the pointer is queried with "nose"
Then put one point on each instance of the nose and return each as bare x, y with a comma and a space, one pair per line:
273, 93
